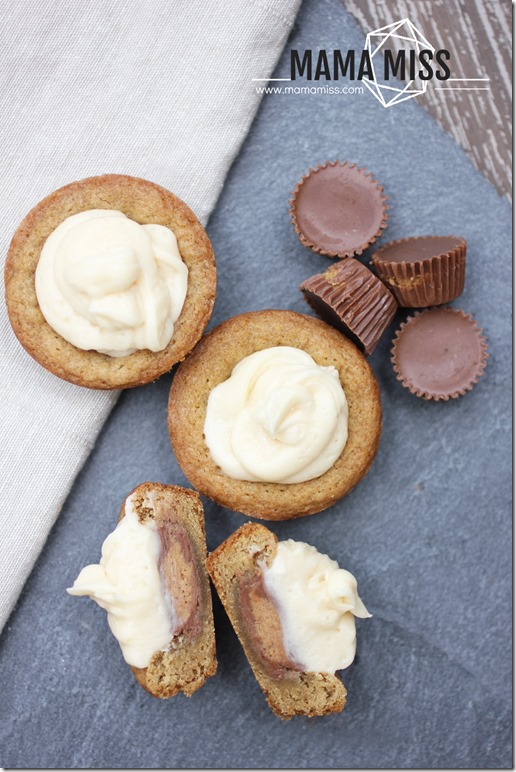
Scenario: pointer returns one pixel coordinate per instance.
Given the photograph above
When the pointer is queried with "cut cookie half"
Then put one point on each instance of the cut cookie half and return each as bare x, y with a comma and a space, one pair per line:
153, 583
276, 594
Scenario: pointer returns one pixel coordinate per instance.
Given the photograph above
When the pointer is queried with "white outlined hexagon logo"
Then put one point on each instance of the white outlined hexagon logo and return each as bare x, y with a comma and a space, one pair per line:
375, 43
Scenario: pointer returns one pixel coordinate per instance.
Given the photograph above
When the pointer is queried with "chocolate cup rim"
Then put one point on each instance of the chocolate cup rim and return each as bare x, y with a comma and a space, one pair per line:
445, 396
377, 281
347, 253
460, 247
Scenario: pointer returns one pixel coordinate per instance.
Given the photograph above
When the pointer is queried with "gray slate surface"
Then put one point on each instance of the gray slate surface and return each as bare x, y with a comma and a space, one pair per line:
427, 532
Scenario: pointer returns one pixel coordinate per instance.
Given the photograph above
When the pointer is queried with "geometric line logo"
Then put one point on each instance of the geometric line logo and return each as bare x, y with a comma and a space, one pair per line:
376, 42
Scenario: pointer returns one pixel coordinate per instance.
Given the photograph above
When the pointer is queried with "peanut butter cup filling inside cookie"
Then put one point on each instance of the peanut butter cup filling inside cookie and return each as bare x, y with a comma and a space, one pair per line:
261, 620
317, 603
180, 578
299, 611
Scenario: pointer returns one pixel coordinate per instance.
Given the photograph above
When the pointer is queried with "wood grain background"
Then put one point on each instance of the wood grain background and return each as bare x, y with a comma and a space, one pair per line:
478, 34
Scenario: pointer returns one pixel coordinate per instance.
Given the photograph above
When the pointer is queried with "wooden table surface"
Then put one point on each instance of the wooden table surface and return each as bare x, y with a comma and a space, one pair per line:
478, 34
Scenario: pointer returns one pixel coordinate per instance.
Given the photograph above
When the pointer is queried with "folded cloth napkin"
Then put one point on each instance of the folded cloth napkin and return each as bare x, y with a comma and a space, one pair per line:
155, 89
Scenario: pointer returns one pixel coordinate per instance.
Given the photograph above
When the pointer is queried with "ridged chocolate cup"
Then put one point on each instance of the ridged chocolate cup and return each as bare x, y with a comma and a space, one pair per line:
439, 353
338, 209
351, 298
423, 271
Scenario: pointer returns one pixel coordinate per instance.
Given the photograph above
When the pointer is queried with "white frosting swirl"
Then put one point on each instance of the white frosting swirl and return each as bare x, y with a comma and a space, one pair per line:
127, 584
279, 417
106, 283
317, 603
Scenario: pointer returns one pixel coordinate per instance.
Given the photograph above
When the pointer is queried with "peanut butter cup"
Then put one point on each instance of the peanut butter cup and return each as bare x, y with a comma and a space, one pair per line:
260, 618
439, 353
338, 209
350, 297
424, 270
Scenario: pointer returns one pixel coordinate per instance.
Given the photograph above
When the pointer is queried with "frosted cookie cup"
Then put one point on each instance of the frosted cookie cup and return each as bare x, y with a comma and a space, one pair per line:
111, 244
294, 414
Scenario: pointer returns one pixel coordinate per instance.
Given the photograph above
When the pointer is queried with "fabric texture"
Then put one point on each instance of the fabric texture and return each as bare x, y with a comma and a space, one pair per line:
156, 89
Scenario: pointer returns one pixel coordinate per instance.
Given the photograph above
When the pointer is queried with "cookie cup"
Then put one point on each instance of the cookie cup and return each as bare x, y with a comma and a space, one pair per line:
144, 202
212, 362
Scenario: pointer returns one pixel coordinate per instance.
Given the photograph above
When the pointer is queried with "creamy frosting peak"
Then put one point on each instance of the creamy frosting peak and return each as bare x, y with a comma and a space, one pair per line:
279, 417
317, 602
106, 283
127, 584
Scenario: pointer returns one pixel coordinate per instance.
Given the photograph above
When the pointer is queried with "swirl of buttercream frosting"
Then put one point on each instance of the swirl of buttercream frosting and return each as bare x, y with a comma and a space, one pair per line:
280, 418
107, 283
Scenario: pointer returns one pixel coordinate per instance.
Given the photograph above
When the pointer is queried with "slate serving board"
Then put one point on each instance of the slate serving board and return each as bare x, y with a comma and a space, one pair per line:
427, 532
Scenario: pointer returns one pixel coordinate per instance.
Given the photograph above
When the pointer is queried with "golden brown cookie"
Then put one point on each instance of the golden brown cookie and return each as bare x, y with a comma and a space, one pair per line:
144, 202
212, 362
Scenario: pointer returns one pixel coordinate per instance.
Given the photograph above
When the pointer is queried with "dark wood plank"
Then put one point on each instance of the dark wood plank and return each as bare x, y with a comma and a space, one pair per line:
478, 33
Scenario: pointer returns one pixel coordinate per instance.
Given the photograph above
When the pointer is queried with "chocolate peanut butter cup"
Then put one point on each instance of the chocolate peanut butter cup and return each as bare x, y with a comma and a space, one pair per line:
338, 209
423, 270
351, 298
439, 353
